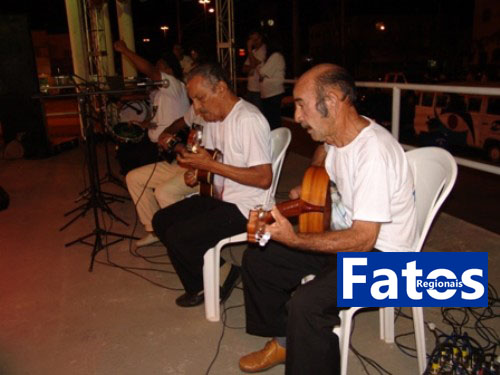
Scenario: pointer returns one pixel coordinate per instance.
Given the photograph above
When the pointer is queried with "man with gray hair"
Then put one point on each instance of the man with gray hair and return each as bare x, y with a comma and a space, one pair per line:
375, 183
242, 179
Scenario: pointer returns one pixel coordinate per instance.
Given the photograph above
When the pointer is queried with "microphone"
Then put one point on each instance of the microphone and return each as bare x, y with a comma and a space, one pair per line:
163, 82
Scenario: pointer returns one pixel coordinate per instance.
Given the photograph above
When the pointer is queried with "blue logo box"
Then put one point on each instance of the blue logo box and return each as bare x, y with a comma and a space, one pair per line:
377, 279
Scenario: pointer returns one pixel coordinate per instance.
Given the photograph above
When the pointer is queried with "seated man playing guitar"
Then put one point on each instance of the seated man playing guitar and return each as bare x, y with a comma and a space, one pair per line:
161, 184
169, 102
375, 183
241, 133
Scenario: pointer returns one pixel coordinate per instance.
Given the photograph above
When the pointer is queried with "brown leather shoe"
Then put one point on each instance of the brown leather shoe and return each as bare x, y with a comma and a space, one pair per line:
273, 354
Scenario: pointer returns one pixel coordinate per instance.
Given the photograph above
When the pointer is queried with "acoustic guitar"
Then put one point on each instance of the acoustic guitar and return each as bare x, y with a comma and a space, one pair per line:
313, 208
176, 143
203, 177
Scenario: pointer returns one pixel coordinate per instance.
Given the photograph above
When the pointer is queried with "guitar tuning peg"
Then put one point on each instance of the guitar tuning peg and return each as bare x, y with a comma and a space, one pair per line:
264, 239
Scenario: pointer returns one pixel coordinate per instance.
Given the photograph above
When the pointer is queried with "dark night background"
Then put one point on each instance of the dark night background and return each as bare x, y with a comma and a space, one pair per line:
424, 39
430, 41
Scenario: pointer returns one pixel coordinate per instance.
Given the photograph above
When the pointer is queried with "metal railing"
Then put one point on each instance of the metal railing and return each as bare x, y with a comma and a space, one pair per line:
396, 89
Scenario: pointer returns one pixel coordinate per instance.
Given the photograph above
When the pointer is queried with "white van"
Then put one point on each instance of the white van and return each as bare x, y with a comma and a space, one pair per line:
462, 119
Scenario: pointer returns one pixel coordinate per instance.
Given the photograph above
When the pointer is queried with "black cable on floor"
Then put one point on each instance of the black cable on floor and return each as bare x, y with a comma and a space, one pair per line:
130, 269
223, 318
362, 358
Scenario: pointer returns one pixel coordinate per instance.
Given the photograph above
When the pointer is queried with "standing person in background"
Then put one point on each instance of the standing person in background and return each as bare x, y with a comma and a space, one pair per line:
198, 55
272, 77
185, 61
256, 49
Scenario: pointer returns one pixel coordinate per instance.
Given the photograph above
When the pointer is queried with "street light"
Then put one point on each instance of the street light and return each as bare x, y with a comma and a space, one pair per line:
164, 29
204, 2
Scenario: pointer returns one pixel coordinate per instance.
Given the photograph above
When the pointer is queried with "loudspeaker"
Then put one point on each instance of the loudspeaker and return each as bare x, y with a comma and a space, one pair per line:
20, 110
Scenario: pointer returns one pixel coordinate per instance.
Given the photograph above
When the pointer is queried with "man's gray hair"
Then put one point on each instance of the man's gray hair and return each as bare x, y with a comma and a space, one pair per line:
211, 72
339, 78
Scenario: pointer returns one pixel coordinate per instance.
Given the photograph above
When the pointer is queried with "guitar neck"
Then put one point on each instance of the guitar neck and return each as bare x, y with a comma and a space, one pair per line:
291, 208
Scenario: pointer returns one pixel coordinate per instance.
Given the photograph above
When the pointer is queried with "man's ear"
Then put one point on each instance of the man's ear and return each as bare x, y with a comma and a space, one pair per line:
220, 87
332, 100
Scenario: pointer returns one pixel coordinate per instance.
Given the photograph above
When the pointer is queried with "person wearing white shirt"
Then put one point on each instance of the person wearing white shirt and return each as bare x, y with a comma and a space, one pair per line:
243, 178
376, 188
170, 102
158, 185
185, 61
272, 77
256, 50
153, 183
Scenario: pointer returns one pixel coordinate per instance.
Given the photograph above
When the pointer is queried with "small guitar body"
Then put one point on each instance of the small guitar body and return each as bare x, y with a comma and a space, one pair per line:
313, 208
206, 178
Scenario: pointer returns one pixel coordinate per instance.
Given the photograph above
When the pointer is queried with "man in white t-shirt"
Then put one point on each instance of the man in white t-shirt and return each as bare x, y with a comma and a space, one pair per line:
256, 50
375, 184
242, 180
153, 183
158, 185
170, 102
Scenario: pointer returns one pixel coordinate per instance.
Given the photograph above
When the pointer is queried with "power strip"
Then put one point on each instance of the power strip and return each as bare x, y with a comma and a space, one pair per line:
461, 355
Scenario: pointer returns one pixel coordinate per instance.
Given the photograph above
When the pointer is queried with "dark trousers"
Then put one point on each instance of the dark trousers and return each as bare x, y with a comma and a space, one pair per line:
135, 155
271, 108
306, 318
189, 228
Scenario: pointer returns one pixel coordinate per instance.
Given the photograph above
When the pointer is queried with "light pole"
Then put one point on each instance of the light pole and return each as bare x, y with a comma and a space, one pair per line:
204, 2
164, 29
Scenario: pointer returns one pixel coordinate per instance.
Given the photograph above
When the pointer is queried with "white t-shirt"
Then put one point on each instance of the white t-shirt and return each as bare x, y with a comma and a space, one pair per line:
245, 141
272, 73
375, 182
253, 75
169, 103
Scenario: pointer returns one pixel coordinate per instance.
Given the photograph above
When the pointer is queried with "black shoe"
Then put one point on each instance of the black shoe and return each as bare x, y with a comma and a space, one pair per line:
190, 300
232, 280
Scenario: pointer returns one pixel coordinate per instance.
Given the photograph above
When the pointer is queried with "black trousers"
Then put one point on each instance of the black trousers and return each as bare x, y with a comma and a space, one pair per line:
135, 155
189, 228
306, 317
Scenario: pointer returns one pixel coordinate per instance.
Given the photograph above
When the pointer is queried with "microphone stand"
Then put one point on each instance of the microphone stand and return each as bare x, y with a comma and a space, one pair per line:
86, 193
96, 200
108, 176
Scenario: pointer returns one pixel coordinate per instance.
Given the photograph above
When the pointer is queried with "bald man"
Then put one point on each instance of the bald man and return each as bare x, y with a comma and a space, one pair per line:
375, 183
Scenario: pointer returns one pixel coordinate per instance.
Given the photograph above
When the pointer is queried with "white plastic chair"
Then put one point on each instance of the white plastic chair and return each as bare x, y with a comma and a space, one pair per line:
280, 139
434, 172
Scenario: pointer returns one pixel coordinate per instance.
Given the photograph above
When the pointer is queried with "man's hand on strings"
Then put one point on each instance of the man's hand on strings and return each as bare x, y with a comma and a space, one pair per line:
199, 160
281, 230
190, 178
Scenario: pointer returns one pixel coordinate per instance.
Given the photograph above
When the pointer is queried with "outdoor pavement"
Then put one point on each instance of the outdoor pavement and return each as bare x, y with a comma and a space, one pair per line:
56, 317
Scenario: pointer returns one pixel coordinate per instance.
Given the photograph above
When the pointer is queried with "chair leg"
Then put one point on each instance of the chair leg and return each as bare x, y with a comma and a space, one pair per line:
344, 339
386, 318
211, 276
344, 334
418, 324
